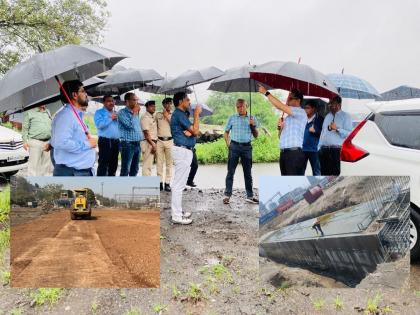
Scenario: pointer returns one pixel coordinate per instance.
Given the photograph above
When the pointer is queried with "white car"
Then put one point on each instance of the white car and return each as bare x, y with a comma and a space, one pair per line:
387, 142
13, 157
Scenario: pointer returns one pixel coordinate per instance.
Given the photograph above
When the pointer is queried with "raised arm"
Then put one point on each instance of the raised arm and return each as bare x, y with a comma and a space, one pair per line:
275, 101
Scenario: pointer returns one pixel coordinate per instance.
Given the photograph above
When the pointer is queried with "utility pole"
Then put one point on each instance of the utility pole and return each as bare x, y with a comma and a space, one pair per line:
102, 190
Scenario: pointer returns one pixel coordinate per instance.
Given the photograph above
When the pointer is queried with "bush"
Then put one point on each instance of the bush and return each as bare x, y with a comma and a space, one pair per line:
265, 149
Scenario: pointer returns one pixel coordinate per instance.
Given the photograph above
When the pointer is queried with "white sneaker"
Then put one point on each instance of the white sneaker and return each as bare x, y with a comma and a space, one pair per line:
186, 214
183, 221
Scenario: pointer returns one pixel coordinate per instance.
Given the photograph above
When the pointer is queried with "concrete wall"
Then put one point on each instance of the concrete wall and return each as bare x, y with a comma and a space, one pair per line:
351, 256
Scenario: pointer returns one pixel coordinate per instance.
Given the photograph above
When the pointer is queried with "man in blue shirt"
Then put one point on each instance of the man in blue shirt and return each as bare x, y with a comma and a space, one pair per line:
292, 158
336, 127
74, 147
311, 138
130, 135
183, 134
109, 143
239, 131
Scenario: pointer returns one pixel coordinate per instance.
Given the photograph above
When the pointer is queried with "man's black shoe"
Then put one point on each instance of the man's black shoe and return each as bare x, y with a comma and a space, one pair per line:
167, 187
161, 187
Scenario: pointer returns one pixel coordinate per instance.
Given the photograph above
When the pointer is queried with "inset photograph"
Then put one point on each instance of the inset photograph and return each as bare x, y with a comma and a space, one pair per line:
335, 232
73, 232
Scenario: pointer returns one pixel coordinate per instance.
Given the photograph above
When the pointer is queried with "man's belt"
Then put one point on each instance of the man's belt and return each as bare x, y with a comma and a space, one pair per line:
184, 146
331, 147
241, 143
165, 138
110, 139
291, 149
43, 140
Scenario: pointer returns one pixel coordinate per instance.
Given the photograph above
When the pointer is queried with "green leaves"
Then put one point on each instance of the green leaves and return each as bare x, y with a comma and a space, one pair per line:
25, 24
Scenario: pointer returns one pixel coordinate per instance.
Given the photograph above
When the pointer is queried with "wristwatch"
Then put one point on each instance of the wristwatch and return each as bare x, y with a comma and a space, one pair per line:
267, 93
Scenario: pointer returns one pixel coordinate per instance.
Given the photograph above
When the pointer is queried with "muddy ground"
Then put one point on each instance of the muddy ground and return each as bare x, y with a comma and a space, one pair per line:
211, 267
116, 248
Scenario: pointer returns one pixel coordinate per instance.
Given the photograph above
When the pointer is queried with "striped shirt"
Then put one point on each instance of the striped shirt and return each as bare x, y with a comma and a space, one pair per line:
239, 128
129, 126
294, 129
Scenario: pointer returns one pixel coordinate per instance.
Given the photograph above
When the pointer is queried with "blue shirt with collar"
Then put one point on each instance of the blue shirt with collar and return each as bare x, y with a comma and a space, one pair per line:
106, 127
239, 128
294, 129
180, 123
334, 138
70, 143
129, 126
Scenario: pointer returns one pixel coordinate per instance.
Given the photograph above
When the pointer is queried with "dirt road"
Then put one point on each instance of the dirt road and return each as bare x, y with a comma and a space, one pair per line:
117, 248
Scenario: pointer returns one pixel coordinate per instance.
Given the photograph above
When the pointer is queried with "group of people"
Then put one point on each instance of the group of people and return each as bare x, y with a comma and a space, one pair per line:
169, 137
306, 136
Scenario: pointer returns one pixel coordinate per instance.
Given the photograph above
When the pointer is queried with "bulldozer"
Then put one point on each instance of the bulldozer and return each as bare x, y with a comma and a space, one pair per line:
81, 206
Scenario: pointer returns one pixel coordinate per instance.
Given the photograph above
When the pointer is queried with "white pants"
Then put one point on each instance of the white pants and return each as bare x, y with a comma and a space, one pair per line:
39, 161
182, 160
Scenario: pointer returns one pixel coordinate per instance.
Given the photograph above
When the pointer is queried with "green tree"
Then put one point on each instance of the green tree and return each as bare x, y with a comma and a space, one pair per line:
25, 24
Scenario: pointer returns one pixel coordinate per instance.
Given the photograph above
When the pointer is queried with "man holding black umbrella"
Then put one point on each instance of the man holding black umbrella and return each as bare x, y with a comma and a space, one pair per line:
336, 127
292, 158
74, 147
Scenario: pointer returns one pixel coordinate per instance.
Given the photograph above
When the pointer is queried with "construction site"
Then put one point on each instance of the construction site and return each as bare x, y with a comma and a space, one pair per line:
343, 228
75, 235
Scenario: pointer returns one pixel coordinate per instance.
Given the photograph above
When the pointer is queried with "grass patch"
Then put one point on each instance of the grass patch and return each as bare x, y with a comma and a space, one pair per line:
194, 293
122, 294
133, 311
372, 306
46, 295
175, 292
16, 311
218, 271
5, 204
5, 277
264, 149
94, 307
159, 308
318, 304
338, 304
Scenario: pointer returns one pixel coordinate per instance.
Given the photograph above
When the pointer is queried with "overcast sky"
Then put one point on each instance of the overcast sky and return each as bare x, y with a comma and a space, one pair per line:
270, 185
375, 40
112, 185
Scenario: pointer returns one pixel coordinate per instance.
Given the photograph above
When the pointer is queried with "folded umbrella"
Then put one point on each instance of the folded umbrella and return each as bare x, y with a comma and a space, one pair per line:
290, 75
191, 77
121, 82
34, 80
350, 86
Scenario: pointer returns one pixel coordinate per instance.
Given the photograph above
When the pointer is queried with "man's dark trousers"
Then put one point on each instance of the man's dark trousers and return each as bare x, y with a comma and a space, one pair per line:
330, 160
244, 152
292, 162
108, 156
194, 168
313, 158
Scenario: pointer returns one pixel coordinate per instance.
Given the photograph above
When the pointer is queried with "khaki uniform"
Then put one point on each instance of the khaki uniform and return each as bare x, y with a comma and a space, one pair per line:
164, 147
148, 123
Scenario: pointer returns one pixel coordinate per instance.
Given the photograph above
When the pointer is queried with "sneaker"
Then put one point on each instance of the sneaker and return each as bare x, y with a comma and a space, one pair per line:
252, 200
182, 221
161, 187
167, 187
186, 214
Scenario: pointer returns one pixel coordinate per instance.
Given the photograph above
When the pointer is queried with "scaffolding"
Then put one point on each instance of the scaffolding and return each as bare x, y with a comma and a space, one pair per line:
142, 200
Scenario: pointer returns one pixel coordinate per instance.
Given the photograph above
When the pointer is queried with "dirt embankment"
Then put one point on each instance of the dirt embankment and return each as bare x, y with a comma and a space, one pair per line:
117, 248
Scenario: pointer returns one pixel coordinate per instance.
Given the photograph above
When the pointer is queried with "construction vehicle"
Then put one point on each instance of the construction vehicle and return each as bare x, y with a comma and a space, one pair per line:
81, 206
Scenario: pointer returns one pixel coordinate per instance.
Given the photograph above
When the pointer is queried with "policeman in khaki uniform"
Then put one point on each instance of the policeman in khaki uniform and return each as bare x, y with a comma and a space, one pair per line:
148, 145
164, 144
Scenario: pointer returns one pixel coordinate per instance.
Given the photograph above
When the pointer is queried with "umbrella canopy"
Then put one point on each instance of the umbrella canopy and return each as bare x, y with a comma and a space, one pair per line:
290, 75
34, 81
350, 86
155, 86
123, 81
236, 79
191, 77
206, 111
89, 83
402, 92
114, 69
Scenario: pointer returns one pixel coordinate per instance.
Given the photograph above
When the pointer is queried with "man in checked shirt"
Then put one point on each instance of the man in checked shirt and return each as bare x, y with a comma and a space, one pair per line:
239, 131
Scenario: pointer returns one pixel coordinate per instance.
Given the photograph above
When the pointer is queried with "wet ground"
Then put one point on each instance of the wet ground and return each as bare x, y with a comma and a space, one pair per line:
116, 248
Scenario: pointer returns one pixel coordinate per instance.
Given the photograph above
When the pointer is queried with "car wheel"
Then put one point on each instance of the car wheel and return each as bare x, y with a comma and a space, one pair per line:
414, 231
